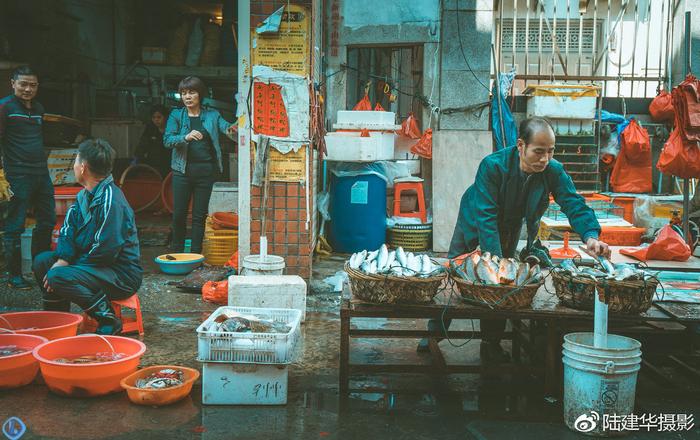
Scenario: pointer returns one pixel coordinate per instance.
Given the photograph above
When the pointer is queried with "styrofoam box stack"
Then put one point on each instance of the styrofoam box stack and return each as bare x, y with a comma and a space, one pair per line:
247, 368
278, 291
351, 146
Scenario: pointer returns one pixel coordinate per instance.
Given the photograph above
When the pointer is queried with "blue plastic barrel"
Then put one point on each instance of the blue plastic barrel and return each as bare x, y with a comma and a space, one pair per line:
358, 212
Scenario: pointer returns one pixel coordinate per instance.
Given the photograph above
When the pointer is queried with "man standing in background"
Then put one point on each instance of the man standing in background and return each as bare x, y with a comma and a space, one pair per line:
24, 162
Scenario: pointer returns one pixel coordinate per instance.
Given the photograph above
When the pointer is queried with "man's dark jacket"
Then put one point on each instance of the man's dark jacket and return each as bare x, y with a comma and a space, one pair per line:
487, 217
100, 231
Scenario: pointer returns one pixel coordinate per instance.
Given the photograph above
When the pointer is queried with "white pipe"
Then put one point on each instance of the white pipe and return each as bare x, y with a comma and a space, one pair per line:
600, 323
244, 71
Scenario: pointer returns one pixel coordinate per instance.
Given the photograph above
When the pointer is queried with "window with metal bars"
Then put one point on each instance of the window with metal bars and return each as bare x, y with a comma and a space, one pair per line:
544, 43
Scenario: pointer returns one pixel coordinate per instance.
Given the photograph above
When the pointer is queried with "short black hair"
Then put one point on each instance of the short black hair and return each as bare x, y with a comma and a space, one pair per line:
193, 83
159, 109
98, 155
530, 126
22, 70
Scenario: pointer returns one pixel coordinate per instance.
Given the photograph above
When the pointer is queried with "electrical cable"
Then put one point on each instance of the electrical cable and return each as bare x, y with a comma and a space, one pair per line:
461, 48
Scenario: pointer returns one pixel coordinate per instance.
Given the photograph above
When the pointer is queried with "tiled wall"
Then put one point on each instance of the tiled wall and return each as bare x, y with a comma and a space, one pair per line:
287, 233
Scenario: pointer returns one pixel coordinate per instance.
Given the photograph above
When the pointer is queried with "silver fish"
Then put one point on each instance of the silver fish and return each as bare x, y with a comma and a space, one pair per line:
364, 267
470, 269
535, 273
426, 266
628, 273
382, 258
595, 273
390, 259
373, 266
486, 255
570, 266
486, 272
523, 274
356, 261
507, 271
607, 265
372, 255
401, 256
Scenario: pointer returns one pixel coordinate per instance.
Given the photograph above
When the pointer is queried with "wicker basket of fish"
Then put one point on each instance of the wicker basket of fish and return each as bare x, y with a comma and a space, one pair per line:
497, 283
624, 288
393, 277
249, 335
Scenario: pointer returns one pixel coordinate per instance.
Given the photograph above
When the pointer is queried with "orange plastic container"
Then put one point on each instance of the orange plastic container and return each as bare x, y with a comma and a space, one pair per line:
621, 235
87, 380
627, 204
19, 369
158, 397
50, 325
64, 197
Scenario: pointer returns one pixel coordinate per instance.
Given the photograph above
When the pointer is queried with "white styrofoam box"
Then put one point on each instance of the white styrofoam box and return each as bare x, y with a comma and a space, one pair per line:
351, 147
224, 197
354, 117
413, 165
563, 107
244, 384
261, 348
277, 291
402, 147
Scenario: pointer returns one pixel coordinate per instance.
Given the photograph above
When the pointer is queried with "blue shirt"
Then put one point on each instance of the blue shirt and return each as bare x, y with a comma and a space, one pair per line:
21, 137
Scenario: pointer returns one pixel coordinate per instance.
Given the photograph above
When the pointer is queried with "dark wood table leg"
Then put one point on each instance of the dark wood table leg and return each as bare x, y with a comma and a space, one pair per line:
551, 373
344, 373
515, 323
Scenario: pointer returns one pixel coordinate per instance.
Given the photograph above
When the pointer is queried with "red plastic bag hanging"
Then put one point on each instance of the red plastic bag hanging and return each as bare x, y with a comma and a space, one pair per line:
668, 246
424, 147
661, 107
632, 170
363, 104
409, 127
215, 292
679, 158
379, 108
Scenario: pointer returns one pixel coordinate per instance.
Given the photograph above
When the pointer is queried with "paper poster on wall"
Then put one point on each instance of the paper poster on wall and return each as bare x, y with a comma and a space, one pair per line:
60, 164
288, 49
289, 167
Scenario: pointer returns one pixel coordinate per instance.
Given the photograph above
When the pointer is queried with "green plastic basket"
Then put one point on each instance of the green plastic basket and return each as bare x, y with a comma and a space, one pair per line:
411, 237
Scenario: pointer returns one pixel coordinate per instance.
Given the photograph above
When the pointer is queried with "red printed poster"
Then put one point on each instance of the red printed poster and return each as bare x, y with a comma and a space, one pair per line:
270, 115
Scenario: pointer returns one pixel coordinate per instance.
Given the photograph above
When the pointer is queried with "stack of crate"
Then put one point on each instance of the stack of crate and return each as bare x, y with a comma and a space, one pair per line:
247, 368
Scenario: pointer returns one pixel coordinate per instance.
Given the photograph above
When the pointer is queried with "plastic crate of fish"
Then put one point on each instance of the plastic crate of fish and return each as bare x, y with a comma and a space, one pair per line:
601, 208
214, 345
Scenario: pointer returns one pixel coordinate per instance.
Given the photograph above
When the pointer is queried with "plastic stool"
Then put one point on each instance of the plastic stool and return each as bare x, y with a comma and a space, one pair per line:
410, 184
129, 325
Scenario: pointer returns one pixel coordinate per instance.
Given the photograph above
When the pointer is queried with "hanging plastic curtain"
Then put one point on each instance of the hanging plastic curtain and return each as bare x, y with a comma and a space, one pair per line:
509, 128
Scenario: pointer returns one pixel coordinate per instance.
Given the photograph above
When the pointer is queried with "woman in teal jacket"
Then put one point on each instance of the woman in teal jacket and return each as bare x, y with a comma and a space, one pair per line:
192, 133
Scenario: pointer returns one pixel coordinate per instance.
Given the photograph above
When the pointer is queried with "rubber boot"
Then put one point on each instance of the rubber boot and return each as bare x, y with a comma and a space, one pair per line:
107, 321
13, 257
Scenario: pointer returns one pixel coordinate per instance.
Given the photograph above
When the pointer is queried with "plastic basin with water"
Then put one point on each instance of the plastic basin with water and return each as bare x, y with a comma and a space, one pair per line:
50, 325
181, 265
19, 369
159, 397
87, 380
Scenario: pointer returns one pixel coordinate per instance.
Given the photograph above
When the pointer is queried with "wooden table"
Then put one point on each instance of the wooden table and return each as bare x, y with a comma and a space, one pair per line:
546, 309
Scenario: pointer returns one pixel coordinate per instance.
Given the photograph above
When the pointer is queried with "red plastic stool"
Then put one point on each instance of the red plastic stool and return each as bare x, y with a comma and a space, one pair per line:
410, 184
129, 325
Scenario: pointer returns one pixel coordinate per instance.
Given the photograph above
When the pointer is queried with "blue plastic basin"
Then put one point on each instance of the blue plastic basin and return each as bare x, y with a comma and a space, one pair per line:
181, 265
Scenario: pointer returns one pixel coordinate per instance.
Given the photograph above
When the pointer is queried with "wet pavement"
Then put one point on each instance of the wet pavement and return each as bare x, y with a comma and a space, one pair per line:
379, 407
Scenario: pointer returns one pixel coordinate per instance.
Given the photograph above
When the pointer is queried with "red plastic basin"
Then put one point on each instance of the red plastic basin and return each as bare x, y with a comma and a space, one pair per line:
19, 369
87, 380
51, 325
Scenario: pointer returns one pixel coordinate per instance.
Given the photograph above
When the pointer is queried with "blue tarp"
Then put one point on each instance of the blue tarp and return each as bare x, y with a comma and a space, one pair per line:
509, 127
622, 123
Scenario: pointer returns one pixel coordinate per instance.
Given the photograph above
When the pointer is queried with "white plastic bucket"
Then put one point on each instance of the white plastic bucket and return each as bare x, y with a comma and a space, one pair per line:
598, 381
262, 265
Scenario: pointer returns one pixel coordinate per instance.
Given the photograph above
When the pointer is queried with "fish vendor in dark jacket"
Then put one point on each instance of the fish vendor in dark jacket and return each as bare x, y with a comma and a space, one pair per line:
512, 187
97, 258
24, 162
